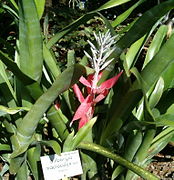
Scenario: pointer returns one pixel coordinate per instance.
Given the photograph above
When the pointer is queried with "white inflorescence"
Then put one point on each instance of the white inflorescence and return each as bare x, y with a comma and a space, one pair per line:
103, 50
100, 53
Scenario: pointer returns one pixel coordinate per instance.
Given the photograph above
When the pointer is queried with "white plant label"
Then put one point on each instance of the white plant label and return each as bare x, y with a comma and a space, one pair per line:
56, 167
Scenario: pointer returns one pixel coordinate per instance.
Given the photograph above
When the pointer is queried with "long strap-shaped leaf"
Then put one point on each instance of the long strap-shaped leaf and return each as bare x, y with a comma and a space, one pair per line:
35, 91
40, 4
12, 66
124, 15
145, 23
27, 126
5, 78
30, 40
13, 3
142, 26
150, 75
112, 3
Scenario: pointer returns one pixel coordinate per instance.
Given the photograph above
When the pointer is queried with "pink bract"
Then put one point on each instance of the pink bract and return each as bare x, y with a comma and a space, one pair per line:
86, 109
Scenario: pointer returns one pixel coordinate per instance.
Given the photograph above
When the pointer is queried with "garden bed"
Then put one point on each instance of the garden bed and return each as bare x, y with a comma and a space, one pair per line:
162, 164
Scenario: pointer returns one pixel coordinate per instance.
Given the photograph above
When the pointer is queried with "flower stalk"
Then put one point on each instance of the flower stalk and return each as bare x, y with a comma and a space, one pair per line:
107, 153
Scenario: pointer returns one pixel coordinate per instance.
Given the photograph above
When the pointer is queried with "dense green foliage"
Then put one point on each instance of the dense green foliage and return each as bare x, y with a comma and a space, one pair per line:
42, 56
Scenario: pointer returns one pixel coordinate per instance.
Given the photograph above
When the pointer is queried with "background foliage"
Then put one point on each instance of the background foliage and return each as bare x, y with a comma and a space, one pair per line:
41, 57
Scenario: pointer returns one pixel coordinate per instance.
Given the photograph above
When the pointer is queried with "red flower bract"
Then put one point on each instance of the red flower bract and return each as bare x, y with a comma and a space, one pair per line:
95, 94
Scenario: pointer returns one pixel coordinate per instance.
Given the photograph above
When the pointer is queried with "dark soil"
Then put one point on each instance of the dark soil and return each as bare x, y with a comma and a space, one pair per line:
163, 164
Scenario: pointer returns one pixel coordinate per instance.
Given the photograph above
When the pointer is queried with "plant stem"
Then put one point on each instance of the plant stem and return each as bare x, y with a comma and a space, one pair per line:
105, 152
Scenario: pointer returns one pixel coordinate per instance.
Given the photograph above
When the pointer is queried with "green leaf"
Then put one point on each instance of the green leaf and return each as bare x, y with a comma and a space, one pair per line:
50, 61
57, 120
12, 66
81, 134
3, 74
13, 3
150, 74
157, 93
160, 141
89, 166
67, 146
30, 40
112, 3
154, 69
133, 143
12, 11
9, 127
53, 144
168, 77
33, 156
40, 5
15, 164
128, 27
130, 58
170, 109
124, 15
26, 128
143, 25
149, 132
5, 147
165, 120
155, 44
108, 25
162, 134
71, 58
140, 157
6, 96
5, 110
23, 172
4, 170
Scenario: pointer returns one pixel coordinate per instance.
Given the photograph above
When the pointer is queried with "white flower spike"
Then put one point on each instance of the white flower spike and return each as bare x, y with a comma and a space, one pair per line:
101, 52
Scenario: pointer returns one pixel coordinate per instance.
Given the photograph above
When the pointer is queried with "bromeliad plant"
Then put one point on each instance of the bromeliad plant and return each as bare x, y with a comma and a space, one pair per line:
95, 93
134, 118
